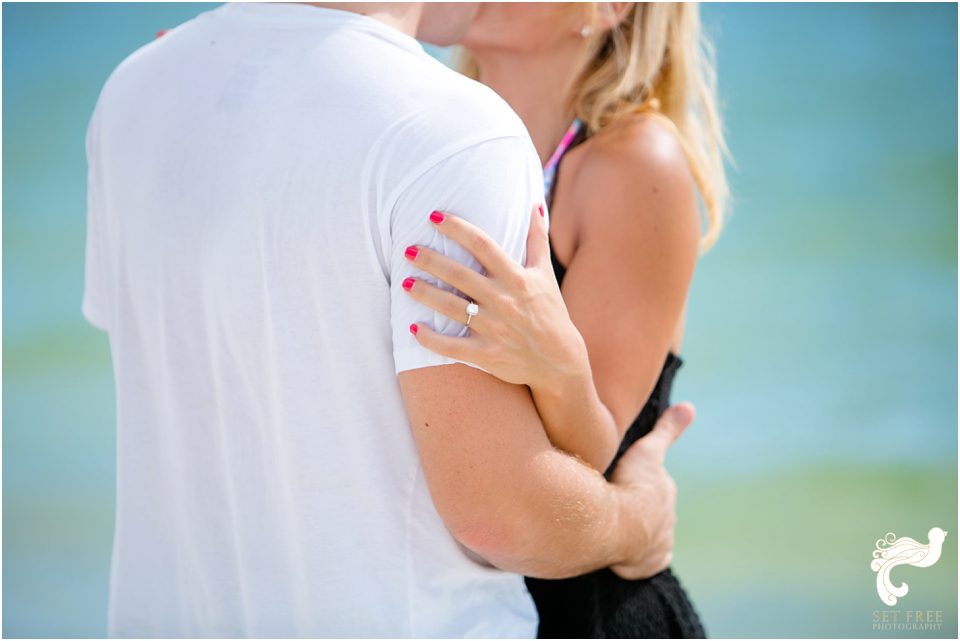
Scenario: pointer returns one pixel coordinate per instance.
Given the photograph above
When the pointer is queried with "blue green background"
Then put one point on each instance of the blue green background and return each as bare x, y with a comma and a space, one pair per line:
821, 347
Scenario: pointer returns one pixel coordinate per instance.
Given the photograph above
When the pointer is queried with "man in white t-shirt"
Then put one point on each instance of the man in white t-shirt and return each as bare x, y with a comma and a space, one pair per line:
255, 176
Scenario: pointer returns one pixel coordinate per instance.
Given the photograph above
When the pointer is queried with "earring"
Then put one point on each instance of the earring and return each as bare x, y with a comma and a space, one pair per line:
585, 31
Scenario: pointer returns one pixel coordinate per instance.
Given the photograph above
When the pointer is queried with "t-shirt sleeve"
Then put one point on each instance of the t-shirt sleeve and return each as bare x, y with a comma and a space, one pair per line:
492, 184
95, 303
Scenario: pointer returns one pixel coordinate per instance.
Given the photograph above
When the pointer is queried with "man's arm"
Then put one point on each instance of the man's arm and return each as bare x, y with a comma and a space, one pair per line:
506, 493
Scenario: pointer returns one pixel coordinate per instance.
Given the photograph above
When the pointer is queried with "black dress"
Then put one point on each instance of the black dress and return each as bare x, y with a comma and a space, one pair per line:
600, 604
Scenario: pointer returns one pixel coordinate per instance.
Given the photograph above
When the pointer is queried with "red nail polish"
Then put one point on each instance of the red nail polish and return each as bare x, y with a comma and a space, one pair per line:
436, 217
161, 32
408, 284
413, 329
540, 207
412, 252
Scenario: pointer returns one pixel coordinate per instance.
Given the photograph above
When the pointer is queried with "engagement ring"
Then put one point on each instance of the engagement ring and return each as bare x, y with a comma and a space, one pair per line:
472, 310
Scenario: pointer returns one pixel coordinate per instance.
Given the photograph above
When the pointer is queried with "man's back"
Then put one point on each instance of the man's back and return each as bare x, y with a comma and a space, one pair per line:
256, 174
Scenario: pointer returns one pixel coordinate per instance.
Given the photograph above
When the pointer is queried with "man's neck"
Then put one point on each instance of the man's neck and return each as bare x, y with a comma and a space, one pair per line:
537, 88
402, 16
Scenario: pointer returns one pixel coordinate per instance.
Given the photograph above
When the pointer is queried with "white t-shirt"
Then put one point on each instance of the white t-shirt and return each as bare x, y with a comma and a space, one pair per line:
255, 177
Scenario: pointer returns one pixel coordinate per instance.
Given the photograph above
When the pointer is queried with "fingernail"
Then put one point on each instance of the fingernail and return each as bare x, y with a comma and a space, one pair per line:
413, 329
412, 252
540, 207
408, 284
436, 217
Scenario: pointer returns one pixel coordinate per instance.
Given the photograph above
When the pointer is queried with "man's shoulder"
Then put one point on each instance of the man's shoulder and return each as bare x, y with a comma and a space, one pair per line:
152, 60
446, 113
469, 102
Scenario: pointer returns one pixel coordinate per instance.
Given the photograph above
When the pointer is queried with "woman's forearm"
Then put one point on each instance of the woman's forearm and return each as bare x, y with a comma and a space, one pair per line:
575, 418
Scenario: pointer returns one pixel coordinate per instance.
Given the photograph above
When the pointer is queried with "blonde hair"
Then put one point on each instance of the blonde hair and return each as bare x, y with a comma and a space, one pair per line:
656, 61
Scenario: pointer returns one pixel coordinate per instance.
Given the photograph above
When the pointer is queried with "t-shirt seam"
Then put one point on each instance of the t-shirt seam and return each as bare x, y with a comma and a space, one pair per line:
425, 357
371, 211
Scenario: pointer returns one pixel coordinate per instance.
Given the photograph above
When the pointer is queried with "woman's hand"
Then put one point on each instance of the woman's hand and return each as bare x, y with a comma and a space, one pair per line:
522, 333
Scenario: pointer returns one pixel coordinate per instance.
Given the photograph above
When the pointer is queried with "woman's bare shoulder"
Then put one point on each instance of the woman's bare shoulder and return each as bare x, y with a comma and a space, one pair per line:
635, 148
635, 172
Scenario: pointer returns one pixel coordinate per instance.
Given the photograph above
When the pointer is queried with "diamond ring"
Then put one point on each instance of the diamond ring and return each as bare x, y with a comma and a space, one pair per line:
472, 310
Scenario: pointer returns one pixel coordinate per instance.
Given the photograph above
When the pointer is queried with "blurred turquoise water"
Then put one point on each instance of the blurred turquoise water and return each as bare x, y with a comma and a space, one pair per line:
821, 343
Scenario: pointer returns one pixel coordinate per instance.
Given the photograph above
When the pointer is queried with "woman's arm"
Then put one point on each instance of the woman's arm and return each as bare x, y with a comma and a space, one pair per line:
591, 368
626, 284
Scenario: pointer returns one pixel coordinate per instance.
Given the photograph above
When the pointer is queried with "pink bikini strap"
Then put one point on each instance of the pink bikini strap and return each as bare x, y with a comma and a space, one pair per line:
550, 169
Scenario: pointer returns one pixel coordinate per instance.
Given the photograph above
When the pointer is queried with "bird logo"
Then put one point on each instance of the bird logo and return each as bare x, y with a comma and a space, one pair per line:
891, 552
